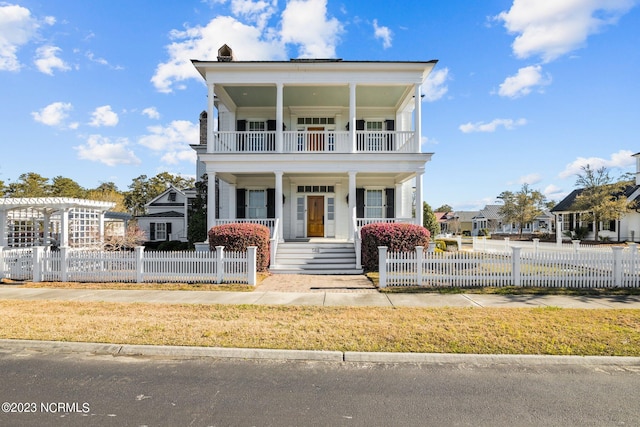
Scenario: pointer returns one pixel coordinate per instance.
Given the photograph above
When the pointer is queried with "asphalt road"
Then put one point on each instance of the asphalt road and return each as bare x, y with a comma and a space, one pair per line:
76, 389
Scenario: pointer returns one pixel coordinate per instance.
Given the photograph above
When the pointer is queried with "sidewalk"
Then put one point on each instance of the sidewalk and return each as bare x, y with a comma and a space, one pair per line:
321, 297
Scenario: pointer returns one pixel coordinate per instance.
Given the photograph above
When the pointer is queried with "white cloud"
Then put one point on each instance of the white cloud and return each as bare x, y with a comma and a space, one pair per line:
622, 159
257, 12
203, 43
492, 126
531, 179
551, 29
383, 33
103, 116
305, 23
46, 60
151, 112
522, 83
553, 192
17, 28
101, 149
173, 140
435, 86
53, 114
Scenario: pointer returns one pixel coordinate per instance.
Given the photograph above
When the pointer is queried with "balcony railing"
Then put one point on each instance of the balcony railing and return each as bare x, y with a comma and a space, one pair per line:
314, 142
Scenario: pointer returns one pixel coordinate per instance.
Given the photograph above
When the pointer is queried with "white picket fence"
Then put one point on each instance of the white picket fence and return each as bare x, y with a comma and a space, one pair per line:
620, 267
482, 244
74, 265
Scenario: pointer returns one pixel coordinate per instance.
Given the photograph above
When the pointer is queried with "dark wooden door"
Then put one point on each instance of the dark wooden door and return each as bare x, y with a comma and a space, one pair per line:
315, 216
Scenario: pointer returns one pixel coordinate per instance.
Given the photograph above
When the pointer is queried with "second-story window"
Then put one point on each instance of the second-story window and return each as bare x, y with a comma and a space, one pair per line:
256, 135
375, 138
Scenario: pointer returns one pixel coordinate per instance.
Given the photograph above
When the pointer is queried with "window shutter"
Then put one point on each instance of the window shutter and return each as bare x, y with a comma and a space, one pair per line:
391, 202
271, 125
240, 203
271, 202
359, 124
390, 126
241, 126
152, 231
359, 202
168, 230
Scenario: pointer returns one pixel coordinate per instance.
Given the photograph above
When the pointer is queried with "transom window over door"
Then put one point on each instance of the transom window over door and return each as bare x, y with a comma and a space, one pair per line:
257, 206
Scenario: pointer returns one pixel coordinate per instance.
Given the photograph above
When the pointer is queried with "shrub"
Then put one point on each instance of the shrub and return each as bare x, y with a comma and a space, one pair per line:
396, 237
238, 237
173, 245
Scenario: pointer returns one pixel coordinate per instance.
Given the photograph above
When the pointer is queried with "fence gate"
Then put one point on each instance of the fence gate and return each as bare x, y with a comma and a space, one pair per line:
16, 264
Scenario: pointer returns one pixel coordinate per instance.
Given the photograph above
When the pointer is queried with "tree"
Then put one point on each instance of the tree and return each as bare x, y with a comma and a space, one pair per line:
29, 185
444, 208
601, 199
197, 226
522, 207
108, 192
3, 189
429, 220
66, 187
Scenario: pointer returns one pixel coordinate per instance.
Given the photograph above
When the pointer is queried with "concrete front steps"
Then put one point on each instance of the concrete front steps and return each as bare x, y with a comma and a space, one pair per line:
315, 258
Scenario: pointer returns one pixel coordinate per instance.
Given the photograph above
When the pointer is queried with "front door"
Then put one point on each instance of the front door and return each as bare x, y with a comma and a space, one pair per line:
315, 139
315, 216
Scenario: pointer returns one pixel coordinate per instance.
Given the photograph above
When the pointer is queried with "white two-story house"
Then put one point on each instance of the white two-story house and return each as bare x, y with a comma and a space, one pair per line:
314, 149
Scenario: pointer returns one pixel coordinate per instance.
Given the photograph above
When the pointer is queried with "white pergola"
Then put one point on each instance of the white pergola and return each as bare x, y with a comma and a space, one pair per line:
63, 221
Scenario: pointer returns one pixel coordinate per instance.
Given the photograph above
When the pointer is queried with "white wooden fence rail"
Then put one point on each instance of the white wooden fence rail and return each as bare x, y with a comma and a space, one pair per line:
72, 265
619, 267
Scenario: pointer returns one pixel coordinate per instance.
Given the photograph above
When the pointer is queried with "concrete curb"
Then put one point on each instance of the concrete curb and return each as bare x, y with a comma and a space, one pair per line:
7, 345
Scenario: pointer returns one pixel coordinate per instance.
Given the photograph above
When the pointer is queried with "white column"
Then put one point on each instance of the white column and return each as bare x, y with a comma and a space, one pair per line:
418, 117
279, 114
46, 225
352, 116
399, 212
232, 201
101, 227
278, 202
64, 228
210, 121
352, 203
419, 199
211, 200
3, 228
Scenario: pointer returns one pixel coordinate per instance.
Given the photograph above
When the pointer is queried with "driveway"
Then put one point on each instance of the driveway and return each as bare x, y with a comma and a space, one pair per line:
316, 283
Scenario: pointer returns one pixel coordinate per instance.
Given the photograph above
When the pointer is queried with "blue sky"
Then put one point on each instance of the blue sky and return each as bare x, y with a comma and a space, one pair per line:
525, 91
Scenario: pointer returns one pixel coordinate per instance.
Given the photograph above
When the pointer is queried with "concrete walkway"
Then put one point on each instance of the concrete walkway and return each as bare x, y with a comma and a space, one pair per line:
320, 296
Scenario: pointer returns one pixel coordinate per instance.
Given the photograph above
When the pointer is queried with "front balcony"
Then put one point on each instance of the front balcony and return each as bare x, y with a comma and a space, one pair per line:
314, 142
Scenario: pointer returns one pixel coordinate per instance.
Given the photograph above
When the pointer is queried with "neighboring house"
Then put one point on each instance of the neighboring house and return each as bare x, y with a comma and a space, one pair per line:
442, 218
318, 147
489, 219
459, 222
627, 228
167, 216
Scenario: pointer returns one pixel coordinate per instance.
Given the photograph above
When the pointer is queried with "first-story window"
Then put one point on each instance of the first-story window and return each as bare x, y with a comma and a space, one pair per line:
161, 231
257, 206
374, 206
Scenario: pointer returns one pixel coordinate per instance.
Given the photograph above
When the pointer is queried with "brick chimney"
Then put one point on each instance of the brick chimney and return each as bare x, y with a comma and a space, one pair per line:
203, 128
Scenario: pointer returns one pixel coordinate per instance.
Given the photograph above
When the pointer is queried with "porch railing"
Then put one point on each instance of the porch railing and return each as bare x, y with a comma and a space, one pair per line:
314, 142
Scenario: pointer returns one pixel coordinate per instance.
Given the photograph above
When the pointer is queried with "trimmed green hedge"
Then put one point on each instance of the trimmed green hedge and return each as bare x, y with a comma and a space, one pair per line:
237, 237
396, 237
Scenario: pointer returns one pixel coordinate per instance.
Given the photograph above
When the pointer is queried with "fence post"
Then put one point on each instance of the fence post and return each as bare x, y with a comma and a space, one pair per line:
515, 266
37, 263
506, 244
459, 241
419, 259
139, 264
219, 264
382, 266
251, 265
536, 244
576, 245
64, 266
484, 243
2, 267
617, 266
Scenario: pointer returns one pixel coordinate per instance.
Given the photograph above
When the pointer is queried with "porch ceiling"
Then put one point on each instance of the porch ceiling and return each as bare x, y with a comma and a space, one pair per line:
382, 96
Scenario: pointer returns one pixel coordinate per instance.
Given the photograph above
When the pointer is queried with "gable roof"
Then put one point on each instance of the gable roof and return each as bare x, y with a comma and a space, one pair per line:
631, 192
155, 200
489, 212
168, 214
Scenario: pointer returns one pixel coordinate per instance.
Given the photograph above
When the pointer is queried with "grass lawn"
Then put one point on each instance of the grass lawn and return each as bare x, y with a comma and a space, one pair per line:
432, 330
